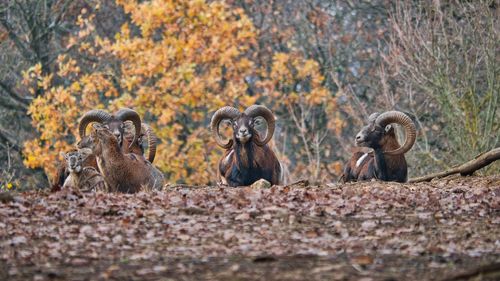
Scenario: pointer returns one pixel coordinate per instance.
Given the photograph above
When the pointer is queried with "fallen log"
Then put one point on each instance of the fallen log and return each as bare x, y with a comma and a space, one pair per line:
466, 169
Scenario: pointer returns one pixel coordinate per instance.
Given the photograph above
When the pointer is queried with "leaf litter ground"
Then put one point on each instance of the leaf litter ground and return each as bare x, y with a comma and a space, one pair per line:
444, 229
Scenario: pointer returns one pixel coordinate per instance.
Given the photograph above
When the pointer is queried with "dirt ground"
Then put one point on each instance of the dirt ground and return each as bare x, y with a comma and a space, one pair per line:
443, 230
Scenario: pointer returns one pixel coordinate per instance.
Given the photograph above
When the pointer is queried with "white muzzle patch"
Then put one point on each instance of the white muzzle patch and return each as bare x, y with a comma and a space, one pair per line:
243, 134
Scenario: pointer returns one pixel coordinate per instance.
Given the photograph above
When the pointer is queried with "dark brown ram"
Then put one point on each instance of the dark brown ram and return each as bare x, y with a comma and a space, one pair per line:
387, 161
247, 157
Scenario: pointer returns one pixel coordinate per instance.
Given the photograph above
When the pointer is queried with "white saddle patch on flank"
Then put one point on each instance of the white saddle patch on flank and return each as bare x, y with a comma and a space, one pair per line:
361, 159
228, 158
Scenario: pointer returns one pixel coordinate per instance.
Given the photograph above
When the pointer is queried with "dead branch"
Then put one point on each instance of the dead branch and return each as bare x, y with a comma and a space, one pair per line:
466, 169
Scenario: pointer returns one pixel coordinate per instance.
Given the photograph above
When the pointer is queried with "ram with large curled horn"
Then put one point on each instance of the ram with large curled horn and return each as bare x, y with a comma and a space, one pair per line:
115, 123
125, 125
248, 158
387, 161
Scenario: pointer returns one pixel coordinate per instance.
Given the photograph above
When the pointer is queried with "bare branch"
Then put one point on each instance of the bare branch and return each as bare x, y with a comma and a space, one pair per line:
23, 101
18, 42
5, 136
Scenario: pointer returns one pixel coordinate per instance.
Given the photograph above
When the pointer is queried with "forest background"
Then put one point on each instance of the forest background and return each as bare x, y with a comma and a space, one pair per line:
322, 66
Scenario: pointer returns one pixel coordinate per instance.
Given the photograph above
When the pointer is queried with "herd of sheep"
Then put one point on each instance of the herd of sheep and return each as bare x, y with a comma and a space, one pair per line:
112, 157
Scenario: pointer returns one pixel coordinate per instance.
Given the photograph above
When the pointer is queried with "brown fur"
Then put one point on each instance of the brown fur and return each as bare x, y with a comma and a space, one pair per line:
87, 178
122, 172
245, 163
263, 157
63, 172
395, 165
61, 175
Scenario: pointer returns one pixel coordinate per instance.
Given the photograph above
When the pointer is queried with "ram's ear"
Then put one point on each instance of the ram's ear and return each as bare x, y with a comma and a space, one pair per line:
224, 123
389, 128
259, 121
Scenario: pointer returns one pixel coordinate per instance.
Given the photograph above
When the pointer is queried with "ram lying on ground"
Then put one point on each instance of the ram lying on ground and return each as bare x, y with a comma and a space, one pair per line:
387, 161
123, 172
247, 157
63, 171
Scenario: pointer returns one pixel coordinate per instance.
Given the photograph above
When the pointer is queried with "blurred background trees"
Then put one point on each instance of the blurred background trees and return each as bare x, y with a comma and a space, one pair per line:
445, 57
322, 66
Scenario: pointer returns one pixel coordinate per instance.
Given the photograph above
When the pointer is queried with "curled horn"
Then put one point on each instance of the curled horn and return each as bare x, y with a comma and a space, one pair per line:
260, 110
125, 114
152, 141
226, 112
95, 115
403, 120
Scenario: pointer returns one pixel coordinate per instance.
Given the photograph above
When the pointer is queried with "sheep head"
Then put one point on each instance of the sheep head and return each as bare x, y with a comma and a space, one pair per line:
243, 125
379, 130
102, 137
74, 160
115, 123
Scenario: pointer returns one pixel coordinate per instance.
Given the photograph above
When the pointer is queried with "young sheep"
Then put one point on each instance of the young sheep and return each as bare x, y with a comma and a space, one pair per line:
387, 162
123, 172
247, 157
62, 174
81, 176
